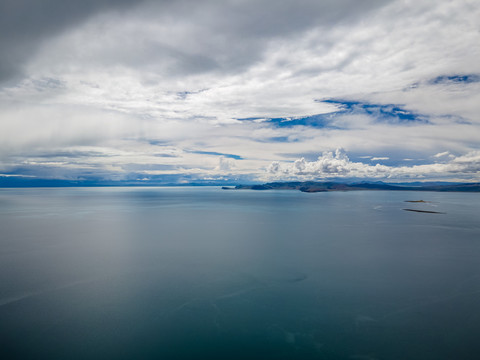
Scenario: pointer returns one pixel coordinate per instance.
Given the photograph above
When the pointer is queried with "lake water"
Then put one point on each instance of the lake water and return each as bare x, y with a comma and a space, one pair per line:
204, 273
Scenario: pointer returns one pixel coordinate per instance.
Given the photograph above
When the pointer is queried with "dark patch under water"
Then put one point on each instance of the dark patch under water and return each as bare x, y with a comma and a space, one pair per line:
201, 273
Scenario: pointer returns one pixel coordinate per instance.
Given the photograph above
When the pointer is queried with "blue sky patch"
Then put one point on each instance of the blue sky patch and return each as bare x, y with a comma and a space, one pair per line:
158, 142
230, 156
456, 79
283, 139
182, 95
381, 112
315, 121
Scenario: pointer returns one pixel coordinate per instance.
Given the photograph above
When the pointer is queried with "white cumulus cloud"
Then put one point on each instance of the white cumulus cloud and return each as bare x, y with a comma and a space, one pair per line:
338, 165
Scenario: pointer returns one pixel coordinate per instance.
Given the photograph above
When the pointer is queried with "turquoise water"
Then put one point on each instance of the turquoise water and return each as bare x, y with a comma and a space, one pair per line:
203, 273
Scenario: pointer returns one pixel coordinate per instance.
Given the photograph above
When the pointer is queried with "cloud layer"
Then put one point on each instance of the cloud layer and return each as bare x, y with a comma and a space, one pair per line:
337, 165
236, 89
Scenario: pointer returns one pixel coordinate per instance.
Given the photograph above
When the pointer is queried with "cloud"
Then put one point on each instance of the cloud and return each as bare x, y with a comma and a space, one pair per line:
443, 154
182, 36
225, 164
25, 25
338, 165
172, 86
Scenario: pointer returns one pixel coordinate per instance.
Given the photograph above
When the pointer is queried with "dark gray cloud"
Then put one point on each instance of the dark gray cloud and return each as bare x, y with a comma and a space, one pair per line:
208, 35
229, 36
25, 24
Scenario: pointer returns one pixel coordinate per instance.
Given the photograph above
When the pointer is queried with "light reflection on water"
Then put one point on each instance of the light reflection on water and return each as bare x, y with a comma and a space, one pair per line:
181, 273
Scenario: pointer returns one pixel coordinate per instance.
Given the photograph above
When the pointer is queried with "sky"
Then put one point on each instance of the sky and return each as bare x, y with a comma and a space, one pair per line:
235, 91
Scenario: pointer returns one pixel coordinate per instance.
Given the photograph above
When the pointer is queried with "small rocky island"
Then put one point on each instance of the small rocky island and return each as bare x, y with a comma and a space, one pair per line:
424, 211
315, 186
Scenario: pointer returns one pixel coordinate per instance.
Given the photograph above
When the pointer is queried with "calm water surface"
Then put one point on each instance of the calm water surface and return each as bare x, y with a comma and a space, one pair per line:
201, 273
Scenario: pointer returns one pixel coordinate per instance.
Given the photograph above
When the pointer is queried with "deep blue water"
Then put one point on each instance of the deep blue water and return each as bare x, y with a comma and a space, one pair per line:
203, 273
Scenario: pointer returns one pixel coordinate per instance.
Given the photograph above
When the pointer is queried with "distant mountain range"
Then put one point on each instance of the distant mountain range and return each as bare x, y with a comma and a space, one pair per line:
314, 186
